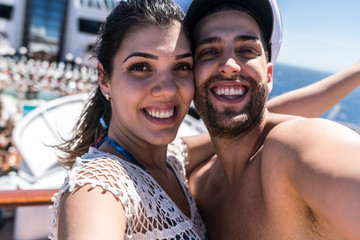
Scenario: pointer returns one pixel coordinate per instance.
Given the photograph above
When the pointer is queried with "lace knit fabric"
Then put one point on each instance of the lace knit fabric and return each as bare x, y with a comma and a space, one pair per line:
150, 212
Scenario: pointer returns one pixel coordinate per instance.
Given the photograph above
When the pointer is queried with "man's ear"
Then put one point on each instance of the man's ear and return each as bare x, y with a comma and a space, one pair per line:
269, 77
103, 79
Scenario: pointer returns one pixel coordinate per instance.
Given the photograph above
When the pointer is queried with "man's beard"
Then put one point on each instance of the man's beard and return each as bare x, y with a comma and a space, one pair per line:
229, 123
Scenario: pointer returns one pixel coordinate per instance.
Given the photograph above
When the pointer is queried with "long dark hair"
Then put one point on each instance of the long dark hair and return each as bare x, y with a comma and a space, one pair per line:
125, 18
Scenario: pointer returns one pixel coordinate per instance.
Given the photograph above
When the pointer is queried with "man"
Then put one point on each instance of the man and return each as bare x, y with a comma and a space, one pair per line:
275, 176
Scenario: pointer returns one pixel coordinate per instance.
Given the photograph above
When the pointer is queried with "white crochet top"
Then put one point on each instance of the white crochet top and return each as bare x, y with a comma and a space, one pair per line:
150, 212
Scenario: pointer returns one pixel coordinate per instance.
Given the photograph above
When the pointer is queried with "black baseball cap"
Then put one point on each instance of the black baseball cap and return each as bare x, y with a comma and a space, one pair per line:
262, 9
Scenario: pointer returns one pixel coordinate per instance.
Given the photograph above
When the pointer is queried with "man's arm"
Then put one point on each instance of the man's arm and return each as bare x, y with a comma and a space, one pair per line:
317, 98
320, 160
199, 149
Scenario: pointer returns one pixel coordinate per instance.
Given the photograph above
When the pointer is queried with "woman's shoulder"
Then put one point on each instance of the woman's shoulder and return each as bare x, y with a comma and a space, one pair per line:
177, 151
176, 156
96, 163
100, 169
177, 148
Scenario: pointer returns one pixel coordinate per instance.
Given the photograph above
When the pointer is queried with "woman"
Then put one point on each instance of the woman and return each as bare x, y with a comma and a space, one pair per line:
134, 185
130, 187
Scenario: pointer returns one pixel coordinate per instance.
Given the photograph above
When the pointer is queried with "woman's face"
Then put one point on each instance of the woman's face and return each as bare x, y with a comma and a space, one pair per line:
151, 85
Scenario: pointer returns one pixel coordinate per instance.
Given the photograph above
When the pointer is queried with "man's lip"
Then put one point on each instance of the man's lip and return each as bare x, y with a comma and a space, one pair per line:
230, 83
230, 91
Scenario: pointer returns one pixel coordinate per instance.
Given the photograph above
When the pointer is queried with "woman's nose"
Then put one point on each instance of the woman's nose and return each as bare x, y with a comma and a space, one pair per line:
165, 85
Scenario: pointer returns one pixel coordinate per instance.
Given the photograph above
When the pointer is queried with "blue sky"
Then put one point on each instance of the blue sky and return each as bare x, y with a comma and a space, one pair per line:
319, 34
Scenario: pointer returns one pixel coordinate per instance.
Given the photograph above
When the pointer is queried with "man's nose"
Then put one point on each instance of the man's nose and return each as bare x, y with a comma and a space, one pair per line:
229, 66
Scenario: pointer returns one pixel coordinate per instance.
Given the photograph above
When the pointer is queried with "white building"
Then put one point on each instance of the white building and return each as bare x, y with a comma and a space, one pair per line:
53, 28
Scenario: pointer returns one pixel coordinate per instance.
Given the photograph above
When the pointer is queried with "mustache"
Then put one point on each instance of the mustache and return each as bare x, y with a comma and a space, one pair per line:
219, 78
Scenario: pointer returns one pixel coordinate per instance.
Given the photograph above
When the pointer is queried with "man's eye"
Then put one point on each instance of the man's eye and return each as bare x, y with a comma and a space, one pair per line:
248, 52
208, 52
139, 67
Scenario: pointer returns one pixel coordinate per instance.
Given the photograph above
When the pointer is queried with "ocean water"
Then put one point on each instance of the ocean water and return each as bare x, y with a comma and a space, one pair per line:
287, 78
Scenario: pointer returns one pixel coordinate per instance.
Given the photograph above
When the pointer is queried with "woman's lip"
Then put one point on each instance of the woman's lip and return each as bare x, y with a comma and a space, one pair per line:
162, 115
160, 112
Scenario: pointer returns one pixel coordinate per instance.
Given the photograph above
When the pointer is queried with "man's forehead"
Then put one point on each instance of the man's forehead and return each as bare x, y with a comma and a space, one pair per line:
227, 23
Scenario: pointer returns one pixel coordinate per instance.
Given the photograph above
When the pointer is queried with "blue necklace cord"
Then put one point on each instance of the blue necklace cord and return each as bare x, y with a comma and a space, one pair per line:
104, 137
117, 146
123, 151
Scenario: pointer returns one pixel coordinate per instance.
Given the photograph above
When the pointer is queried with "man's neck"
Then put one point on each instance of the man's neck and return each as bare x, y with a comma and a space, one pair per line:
235, 154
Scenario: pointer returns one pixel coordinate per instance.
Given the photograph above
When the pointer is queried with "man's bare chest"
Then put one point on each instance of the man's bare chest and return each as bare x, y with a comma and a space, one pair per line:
234, 210
231, 215
251, 209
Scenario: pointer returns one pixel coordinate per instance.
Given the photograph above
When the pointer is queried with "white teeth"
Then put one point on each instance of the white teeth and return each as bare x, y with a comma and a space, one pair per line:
229, 92
156, 114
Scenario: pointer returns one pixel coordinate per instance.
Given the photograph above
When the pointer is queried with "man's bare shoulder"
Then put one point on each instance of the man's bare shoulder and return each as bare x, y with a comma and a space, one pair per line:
302, 139
314, 161
300, 132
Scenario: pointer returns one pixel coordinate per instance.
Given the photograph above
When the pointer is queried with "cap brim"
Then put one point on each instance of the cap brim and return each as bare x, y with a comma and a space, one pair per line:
261, 8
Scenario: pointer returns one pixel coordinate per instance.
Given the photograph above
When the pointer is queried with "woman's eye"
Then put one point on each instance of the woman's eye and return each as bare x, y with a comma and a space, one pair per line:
183, 67
139, 67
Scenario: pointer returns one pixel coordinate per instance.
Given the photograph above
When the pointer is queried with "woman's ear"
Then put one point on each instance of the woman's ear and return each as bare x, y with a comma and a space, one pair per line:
269, 77
103, 79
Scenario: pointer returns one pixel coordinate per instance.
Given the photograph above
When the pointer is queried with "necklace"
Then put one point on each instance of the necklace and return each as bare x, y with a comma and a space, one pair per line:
124, 152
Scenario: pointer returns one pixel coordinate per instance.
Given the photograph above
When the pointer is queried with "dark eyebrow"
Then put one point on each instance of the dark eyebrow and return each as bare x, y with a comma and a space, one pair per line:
139, 54
218, 39
181, 56
246, 38
208, 40
150, 56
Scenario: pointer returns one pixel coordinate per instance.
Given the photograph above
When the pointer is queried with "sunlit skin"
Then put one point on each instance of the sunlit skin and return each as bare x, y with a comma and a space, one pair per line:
151, 87
239, 193
280, 177
230, 70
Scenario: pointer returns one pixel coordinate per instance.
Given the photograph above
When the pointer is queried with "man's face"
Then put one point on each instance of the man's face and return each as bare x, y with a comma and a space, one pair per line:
232, 76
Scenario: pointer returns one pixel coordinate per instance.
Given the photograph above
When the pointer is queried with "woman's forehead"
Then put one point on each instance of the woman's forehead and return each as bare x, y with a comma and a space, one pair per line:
172, 40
